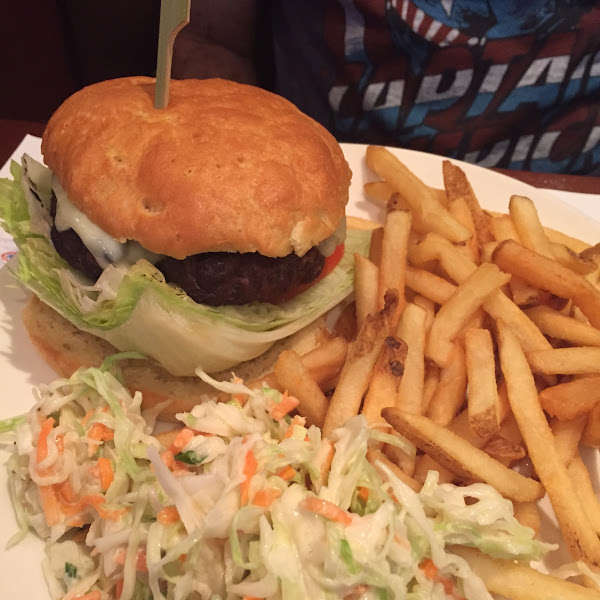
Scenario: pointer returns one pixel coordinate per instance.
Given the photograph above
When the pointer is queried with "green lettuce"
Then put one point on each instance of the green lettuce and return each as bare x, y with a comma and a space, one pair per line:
136, 310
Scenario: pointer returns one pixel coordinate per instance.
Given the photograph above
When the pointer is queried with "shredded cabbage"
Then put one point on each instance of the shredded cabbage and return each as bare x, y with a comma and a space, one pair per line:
261, 515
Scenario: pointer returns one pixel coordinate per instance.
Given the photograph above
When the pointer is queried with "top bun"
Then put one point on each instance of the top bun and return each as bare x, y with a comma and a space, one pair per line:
225, 167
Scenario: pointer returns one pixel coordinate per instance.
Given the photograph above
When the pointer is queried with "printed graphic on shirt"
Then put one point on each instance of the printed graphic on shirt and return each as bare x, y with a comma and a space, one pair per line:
501, 83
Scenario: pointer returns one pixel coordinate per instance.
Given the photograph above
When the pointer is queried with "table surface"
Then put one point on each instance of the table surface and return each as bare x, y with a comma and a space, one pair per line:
12, 132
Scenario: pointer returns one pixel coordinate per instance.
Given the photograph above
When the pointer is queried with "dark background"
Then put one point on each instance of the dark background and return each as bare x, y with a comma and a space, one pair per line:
51, 48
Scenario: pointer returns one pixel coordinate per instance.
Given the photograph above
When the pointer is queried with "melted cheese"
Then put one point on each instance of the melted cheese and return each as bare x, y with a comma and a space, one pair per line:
104, 248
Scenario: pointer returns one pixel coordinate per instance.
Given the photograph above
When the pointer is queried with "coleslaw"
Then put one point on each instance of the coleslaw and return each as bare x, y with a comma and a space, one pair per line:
243, 501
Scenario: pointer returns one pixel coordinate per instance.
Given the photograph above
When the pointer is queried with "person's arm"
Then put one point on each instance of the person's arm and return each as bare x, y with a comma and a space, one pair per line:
219, 41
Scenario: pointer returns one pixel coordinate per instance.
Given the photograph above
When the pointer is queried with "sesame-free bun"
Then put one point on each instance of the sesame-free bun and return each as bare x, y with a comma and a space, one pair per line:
224, 167
65, 348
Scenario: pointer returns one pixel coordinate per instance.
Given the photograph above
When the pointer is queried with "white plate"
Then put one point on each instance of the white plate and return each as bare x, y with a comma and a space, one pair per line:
21, 368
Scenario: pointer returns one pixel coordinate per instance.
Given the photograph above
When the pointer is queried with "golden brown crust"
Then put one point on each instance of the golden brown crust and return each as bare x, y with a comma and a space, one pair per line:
225, 167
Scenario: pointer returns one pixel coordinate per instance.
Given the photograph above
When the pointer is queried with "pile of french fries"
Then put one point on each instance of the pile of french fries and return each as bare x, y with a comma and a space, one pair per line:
476, 337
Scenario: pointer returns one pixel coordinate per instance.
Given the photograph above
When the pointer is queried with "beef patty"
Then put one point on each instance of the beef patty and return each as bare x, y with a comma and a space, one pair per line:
213, 278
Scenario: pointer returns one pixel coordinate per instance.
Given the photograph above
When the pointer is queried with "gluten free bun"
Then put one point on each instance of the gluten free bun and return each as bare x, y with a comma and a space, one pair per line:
65, 348
225, 167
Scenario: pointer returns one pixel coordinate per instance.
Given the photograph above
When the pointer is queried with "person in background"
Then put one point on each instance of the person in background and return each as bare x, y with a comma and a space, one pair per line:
499, 83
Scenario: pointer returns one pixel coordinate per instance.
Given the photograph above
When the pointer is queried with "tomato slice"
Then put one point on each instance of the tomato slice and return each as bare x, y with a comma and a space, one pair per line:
331, 262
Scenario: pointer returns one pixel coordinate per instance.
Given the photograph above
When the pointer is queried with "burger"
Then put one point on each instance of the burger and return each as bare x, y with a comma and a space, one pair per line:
198, 235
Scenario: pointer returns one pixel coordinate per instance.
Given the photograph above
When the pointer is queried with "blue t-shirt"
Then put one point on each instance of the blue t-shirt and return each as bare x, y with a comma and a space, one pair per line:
500, 83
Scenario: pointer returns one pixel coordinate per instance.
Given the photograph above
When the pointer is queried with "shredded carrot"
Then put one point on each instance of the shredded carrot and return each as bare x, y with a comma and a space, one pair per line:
107, 473
250, 465
287, 403
266, 497
358, 592
119, 588
296, 420
60, 443
287, 473
42, 446
65, 491
176, 466
363, 493
140, 559
90, 413
432, 572
167, 515
76, 522
50, 504
241, 398
181, 440
111, 515
98, 432
327, 509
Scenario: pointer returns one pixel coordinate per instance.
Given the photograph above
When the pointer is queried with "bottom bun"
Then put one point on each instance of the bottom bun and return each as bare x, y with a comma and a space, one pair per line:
66, 348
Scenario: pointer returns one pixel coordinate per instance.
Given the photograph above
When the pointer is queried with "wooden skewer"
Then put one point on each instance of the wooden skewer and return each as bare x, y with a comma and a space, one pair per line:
174, 15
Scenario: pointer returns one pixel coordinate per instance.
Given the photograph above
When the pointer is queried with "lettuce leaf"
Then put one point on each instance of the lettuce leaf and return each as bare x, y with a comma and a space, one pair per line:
136, 310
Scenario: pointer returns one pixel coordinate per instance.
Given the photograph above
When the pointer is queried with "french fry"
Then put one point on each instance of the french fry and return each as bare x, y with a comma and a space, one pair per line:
582, 542
393, 257
523, 294
411, 329
460, 426
457, 186
430, 384
591, 433
296, 379
404, 460
497, 305
385, 379
356, 372
456, 454
345, 326
380, 191
375, 456
503, 228
581, 360
568, 258
580, 478
483, 402
375, 248
525, 217
424, 204
424, 463
366, 282
429, 307
449, 394
325, 362
460, 211
514, 580
505, 451
567, 435
568, 400
428, 284
557, 325
547, 274
454, 315
528, 514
